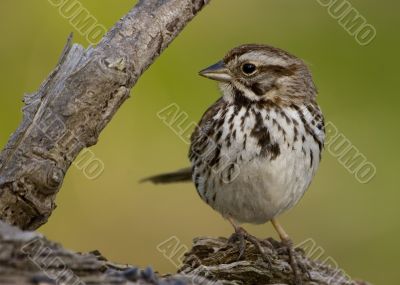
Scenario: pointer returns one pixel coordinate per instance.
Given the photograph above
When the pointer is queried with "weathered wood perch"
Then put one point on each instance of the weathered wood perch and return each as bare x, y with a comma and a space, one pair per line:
67, 114
29, 258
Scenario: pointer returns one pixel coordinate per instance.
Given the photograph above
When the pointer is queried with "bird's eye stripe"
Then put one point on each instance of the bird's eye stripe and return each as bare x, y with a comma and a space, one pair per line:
277, 69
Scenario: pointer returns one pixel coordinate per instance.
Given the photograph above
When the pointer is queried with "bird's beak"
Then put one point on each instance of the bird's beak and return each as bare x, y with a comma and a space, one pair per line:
217, 72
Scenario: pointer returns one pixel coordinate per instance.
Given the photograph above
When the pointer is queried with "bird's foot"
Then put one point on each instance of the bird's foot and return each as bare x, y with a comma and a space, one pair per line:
240, 236
287, 246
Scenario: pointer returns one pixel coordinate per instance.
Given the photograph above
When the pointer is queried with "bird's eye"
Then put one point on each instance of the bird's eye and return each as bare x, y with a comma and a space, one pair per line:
249, 68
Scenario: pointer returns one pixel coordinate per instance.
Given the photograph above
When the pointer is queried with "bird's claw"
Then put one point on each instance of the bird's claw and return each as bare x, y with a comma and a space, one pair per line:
240, 235
293, 261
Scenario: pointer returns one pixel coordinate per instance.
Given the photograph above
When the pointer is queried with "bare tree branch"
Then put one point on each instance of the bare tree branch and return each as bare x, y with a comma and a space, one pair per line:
76, 102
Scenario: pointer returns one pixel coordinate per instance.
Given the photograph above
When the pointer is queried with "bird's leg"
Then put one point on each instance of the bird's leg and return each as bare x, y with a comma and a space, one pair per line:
238, 236
288, 244
242, 235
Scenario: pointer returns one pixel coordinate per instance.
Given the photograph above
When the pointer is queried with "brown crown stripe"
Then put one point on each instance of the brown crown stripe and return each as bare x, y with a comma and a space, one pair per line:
238, 51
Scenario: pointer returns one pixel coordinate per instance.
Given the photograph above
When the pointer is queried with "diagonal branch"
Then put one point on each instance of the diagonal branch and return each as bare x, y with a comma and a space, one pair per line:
76, 102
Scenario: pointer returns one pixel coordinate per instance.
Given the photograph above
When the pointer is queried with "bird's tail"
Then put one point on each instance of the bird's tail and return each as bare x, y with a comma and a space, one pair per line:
182, 175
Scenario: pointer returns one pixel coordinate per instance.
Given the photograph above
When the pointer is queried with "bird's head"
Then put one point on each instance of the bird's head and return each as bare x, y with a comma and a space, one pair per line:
261, 72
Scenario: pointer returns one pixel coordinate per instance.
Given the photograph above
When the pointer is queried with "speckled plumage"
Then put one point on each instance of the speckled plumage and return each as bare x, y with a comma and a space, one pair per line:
256, 150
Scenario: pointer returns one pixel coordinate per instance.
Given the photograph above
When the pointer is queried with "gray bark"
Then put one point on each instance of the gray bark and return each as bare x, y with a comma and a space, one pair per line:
29, 258
76, 102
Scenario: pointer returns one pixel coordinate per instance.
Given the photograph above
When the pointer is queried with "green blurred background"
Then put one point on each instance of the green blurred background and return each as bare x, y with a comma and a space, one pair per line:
356, 224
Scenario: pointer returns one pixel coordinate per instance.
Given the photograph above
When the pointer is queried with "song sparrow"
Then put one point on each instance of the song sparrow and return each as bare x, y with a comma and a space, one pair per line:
256, 150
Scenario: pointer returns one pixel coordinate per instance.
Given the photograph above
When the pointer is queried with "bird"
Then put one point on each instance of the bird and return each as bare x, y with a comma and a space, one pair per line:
256, 150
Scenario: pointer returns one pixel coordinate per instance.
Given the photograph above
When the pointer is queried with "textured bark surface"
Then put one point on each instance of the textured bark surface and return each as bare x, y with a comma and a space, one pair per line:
76, 102
216, 261
29, 258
